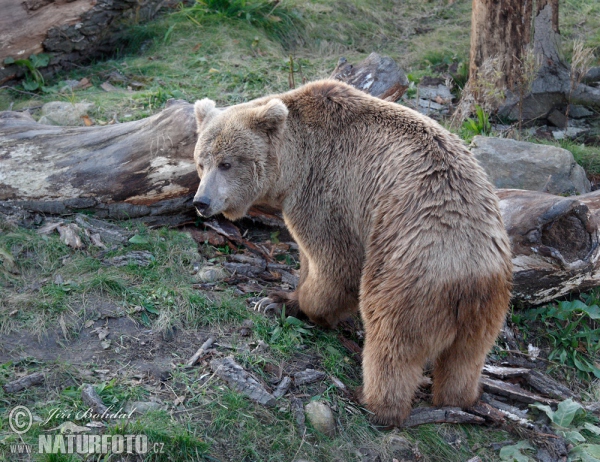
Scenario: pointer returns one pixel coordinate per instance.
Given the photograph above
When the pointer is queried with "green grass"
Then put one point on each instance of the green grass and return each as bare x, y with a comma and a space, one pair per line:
163, 289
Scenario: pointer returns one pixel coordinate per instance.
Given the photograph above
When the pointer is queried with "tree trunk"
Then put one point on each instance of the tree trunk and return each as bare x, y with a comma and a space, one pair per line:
72, 30
495, 32
502, 30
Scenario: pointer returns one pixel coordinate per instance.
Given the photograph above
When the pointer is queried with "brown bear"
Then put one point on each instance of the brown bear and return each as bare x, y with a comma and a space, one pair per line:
393, 217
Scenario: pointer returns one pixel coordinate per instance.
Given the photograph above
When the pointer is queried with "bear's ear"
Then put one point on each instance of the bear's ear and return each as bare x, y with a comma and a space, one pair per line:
270, 117
202, 109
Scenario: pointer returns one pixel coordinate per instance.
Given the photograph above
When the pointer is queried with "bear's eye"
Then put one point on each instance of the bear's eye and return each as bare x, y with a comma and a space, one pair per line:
224, 166
201, 167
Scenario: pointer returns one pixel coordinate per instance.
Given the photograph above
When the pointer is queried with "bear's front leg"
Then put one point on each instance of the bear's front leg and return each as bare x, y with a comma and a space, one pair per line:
276, 300
324, 295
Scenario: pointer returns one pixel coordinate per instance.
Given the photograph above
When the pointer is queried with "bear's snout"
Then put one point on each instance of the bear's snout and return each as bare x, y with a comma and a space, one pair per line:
202, 205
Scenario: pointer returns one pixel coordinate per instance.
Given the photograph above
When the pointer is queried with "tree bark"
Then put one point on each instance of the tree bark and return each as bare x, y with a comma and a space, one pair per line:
495, 32
133, 169
554, 241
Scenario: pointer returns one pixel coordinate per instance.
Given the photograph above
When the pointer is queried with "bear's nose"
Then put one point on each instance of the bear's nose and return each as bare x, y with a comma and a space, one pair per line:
202, 204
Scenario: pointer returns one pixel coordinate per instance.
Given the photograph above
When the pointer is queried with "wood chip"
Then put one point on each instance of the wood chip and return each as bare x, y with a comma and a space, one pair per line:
488, 412
421, 416
513, 391
548, 386
69, 235
201, 351
297, 409
107, 86
93, 400
24, 382
241, 381
308, 376
283, 387
505, 372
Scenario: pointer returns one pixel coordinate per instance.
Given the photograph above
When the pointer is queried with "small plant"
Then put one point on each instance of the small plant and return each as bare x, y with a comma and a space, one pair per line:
569, 422
527, 71
580, 64
479, 126
516, 452
480, 91
461, 76
34, 79
573, 331
294, 328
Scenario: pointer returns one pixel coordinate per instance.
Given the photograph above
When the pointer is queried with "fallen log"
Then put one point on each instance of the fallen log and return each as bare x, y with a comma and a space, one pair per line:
422, 416
129, 170
512, 391
24, 382
554, 241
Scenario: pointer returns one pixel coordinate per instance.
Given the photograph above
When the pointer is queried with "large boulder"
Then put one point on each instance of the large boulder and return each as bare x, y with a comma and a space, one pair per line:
514, 164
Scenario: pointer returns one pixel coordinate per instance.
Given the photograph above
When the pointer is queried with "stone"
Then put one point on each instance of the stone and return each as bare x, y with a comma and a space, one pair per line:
64, 114
320, 416
400, 448
570, 132
514, 164
557, 118
211, 273
438, 93
579, 112
142, 407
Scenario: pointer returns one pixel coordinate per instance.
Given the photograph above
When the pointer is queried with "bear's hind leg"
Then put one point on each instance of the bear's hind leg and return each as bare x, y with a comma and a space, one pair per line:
392, 372
456, 374
457, 369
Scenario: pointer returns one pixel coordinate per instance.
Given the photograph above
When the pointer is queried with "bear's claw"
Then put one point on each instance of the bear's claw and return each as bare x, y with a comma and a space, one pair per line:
264, 305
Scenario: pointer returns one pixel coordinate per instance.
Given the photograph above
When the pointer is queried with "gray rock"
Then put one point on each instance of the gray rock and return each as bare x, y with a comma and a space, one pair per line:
569, 132
211, 273
439, 93
61, 113
426, 103
141, 407
320, 416
520, 165
400, 447
558, 119
579, 112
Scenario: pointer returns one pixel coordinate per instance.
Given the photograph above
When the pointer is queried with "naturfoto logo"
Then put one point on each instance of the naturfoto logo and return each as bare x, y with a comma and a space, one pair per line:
77, 441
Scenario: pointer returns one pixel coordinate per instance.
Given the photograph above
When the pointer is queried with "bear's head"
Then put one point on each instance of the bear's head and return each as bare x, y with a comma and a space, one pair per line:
237, 155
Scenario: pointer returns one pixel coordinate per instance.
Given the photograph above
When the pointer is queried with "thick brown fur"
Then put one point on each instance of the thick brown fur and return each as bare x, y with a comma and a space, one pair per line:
393, 217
